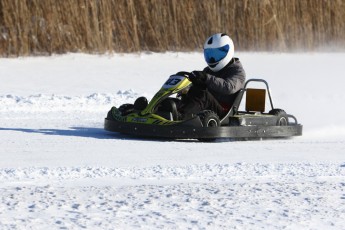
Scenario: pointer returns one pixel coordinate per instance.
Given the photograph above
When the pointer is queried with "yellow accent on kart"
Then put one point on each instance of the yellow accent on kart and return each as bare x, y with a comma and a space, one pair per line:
150, 119
173, 85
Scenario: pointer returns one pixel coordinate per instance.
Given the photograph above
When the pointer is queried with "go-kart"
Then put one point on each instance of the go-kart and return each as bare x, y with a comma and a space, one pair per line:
159, 117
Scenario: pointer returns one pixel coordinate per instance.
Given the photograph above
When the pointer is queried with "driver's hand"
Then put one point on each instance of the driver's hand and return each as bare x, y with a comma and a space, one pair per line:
200, 75
198, 78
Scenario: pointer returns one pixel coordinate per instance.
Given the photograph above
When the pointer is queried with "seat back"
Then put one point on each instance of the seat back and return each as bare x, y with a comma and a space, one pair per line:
234, 107
255, 100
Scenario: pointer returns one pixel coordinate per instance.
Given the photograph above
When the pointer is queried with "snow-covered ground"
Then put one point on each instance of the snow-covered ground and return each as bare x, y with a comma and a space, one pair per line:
60, 170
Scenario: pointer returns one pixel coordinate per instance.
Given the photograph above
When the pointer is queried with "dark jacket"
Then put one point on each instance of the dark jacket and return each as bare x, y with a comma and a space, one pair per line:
226, 82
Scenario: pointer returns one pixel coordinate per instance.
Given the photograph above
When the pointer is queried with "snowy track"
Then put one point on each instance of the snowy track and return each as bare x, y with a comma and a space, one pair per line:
199, 196
60, 170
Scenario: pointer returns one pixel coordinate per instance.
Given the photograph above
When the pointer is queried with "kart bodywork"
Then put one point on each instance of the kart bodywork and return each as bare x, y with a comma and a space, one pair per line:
153, 120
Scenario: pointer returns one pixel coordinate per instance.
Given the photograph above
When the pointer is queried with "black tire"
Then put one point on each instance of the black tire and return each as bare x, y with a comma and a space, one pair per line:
140, 103
126, 109
110, 115
208, 119
282, 119
170, 105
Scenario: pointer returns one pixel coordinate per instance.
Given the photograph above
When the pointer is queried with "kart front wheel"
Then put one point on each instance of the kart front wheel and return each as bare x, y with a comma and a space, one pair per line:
126, 109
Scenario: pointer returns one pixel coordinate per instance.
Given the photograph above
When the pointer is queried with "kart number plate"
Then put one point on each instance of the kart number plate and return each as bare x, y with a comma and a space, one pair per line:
172, 82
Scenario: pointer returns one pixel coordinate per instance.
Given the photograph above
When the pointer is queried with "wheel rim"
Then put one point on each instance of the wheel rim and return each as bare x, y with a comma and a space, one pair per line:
283, 121
212, 123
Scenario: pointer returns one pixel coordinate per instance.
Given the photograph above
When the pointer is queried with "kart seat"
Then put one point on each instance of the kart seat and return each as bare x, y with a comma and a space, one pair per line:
233, 102
232, 107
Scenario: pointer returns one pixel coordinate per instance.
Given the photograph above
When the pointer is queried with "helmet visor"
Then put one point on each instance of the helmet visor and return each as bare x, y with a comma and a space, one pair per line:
213, 55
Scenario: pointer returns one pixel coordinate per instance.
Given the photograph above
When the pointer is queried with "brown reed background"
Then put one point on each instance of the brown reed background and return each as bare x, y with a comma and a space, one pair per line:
41, 27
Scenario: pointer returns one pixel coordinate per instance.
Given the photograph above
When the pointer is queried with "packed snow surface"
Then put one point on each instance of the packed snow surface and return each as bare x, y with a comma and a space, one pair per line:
60, 170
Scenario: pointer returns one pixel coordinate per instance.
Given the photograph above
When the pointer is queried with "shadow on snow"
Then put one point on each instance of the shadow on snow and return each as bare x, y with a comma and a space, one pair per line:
97, 133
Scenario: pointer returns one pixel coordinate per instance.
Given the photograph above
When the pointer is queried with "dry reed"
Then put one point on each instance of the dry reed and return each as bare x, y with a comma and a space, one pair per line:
35, 27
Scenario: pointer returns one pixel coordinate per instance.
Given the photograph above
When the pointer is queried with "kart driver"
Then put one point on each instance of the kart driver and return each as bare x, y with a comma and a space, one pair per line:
216, 86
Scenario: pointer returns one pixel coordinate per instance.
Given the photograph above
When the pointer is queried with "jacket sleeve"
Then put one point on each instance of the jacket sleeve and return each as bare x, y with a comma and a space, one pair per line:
230, 81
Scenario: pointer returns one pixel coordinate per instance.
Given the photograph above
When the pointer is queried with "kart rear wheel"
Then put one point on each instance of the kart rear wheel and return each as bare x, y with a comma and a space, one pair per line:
208, 119
282, 117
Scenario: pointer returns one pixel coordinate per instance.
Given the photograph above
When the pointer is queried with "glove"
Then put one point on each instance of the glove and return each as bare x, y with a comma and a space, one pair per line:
198, 78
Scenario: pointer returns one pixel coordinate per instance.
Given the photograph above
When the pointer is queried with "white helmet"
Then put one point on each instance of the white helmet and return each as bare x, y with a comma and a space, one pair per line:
218, 51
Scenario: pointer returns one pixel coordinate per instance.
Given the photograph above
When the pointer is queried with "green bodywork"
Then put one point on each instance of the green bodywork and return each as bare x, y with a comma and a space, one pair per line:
175, 84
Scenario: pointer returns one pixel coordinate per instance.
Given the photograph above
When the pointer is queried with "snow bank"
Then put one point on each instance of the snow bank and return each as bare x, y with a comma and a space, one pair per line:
51, 103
